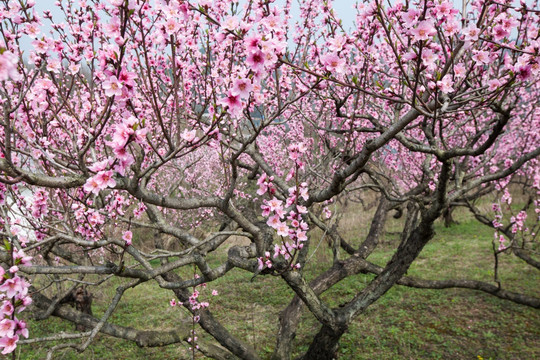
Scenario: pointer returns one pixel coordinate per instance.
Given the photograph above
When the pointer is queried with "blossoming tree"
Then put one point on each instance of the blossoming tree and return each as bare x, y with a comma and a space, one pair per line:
202, 120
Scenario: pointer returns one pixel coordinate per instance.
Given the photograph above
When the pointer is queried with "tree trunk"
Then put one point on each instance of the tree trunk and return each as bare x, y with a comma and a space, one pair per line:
448, 219
325, 344
288, 322
290, 316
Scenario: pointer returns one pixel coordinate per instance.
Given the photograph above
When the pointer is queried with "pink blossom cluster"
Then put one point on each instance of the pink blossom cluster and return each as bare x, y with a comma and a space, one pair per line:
286, 218
102, 180
39, 204
89, 221
518, 222
126, 131
262, 49
265, 185
3, 189
502, 242
293, 226
127, 236
194, 300
498, 216
8, 65
14, 298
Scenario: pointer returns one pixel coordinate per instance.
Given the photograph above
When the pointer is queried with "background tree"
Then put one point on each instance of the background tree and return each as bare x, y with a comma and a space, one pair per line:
202, 120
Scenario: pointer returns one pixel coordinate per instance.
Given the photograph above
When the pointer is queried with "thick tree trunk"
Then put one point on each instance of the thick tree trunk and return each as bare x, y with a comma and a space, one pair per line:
290, 316
325, 344
288, 322
448, 218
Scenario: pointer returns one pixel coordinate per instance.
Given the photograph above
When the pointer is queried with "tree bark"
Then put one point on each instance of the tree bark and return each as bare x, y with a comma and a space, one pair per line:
290, 316
213, 327
143, 338
448, 218
325, 344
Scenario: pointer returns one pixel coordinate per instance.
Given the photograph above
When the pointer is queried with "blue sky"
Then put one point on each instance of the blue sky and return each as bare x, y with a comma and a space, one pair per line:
342, 7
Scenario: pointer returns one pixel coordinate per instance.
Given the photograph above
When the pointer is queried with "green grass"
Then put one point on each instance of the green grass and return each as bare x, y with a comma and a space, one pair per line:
404, 324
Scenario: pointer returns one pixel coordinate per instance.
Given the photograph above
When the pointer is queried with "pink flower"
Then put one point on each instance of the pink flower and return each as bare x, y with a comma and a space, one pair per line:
112, 86
105, 179
509, 23
101, 181
471, 33
523, 71
215, 292
27, 300
13, 287
112, 28
122, 134
502, 245
272, 23
21, 257
241, 87
301, 209
263, 184
451, 27
445, 9
233, 103
53, 65
410, 17
445, 84
6, 309
304, 191
327, 212
21, 328
91, 186
32, 30
301, 235
266, 210
127, 236
493, 84
429, 59
337, 43
7, 328
230, 23
100, 165
424, 30
124, 156
40, 46
188, 135
172, 26
275, 204
255, 60
499, 32
273, 221
8, 66
459, 70
252, 43
172, 302
9, 344
481, 57
282, 229
333, 63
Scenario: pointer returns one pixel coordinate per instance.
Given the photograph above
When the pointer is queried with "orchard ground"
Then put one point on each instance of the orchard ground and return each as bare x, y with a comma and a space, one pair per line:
406, 323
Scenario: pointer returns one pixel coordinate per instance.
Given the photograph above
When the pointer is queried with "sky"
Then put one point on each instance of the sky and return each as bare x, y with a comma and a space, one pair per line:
342, 7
